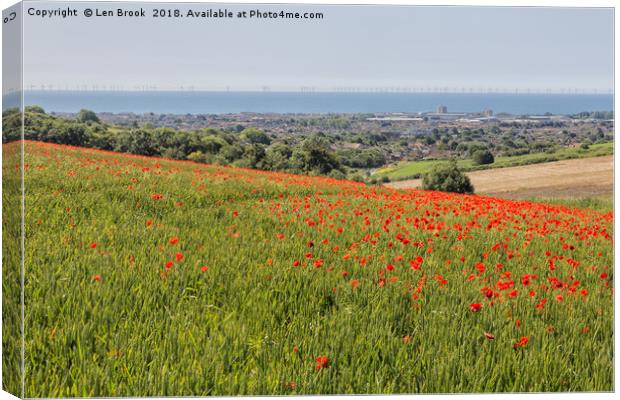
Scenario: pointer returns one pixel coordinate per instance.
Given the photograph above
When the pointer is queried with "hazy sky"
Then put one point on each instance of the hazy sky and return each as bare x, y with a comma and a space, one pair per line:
352, 46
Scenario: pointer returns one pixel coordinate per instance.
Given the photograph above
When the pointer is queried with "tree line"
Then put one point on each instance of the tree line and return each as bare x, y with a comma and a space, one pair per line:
250, 147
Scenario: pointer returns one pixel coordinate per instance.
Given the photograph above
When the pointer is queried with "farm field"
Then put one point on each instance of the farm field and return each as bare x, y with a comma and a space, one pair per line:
409, 170
568, 179
153, 277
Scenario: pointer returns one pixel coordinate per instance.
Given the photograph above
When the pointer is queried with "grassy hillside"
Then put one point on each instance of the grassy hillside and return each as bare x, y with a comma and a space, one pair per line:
411, 170
146, 276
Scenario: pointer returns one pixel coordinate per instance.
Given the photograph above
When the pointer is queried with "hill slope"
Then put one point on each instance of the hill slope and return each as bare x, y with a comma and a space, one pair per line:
147, 276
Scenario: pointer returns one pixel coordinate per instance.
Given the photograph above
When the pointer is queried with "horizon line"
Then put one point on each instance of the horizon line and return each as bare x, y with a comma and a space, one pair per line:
342, 91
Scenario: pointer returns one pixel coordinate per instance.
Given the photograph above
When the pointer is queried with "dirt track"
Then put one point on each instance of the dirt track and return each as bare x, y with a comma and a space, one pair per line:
578, 178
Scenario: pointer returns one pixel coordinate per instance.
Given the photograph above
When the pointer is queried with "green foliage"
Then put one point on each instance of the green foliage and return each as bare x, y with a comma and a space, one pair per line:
250, 148
277, 157
414, 169
364, 158
254, 135
35, 109
482, 157
447, 178
314, 156
87, 116
337, 174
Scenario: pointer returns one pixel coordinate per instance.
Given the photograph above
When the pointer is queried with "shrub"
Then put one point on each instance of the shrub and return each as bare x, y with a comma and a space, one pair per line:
447, 178
481, 157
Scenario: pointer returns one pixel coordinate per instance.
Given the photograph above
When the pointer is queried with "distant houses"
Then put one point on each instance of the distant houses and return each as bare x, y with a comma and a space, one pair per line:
486, 116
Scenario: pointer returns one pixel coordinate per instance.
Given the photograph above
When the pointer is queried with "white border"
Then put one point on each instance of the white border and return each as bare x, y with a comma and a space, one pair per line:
521, 3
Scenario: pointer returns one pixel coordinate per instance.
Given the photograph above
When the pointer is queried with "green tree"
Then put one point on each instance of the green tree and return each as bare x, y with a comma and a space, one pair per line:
254, 135
277, 157
35, 109
447, 178
314, 155
87, 116
481, 157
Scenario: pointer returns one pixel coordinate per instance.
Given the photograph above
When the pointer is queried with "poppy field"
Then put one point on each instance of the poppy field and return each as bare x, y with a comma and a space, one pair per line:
146, 276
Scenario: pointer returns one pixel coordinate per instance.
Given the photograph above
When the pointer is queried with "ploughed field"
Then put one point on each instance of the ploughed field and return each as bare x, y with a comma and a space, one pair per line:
566, 179
147, 276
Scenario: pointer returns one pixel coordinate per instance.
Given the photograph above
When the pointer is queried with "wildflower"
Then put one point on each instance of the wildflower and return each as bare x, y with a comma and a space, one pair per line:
489, 336
93, 245
173, 240
179, 256
204, 268
475, 307
522, 342
96, 278
321, 362
169, 264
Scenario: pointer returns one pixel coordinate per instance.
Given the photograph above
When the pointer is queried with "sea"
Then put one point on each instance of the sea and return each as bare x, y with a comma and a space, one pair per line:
203, 102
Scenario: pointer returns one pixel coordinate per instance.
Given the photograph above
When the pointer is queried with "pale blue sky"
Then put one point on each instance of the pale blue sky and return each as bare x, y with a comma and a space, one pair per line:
353, 46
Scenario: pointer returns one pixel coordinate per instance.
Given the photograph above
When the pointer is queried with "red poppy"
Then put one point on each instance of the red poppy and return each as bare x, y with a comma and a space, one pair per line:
321, 362
173, 240
93, 245
522, 342
179, 256
475, 307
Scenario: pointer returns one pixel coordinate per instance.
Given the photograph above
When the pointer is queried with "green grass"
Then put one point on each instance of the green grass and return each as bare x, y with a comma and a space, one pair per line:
600, 203
298, 268
412, 170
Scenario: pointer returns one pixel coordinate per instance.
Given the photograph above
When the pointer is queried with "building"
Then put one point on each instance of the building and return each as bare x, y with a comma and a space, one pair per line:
441, 109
